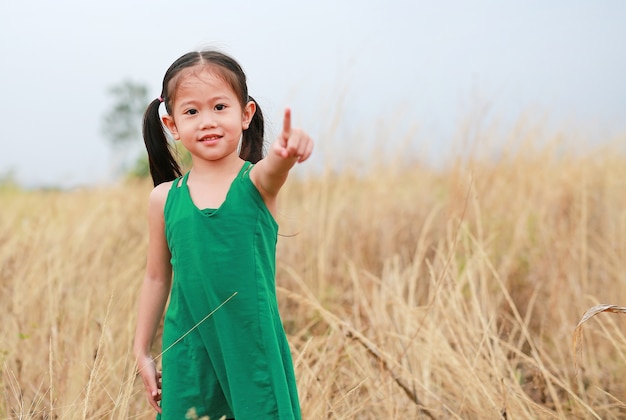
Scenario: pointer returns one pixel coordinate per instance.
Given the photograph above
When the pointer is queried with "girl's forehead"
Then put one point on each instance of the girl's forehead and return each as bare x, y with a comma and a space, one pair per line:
200, 74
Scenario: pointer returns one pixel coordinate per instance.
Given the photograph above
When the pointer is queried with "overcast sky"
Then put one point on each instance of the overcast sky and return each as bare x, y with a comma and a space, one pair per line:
350, 70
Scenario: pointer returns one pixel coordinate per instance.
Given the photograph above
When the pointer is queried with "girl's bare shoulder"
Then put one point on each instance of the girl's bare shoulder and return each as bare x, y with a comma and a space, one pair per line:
159, 194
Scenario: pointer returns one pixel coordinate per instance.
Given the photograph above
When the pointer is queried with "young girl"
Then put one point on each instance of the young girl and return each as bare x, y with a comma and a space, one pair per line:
212, 246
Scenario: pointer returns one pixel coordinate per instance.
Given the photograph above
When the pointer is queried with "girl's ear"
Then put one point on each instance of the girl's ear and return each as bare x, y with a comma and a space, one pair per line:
248, 113
171, 125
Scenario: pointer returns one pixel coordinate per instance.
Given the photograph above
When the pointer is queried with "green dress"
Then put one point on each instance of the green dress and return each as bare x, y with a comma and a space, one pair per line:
235, 363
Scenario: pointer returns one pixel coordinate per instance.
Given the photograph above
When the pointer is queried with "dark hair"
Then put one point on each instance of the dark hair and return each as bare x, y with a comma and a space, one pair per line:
161, 156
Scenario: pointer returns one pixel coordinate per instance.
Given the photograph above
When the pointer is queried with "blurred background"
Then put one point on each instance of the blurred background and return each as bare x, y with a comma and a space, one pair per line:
446, 279
396, 76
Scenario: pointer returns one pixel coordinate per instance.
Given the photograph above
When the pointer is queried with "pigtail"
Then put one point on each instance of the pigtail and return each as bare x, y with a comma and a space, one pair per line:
252, 143
163, 164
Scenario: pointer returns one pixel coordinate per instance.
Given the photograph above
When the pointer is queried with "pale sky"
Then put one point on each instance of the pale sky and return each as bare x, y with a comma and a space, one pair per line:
353, 72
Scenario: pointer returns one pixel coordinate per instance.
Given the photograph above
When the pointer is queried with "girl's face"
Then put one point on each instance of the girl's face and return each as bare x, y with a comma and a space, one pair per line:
206, 115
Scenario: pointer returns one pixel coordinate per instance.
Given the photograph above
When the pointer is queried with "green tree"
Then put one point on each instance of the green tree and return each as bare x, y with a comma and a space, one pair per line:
122, 123
121, 126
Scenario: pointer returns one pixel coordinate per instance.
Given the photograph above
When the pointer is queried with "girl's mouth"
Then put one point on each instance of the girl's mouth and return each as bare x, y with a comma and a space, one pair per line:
210, 139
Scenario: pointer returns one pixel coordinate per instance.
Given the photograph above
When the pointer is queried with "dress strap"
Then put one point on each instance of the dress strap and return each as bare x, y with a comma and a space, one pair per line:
183, 181
245, 169
178, 182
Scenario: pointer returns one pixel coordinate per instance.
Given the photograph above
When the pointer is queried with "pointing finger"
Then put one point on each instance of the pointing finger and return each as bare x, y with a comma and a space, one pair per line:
287, 124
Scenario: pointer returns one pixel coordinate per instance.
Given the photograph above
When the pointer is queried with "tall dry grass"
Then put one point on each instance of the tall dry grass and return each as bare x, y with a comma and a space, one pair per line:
406, 292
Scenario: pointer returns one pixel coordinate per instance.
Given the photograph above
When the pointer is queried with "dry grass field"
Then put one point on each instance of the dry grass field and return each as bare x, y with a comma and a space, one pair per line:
406, 292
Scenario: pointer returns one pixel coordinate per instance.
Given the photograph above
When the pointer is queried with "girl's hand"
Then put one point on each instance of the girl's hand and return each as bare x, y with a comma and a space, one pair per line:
269, 174
151, 380
293, 142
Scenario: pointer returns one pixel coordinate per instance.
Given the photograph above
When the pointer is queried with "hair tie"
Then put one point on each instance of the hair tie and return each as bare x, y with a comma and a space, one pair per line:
160, 98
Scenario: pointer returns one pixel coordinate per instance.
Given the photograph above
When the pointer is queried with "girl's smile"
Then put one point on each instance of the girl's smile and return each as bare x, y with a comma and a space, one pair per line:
210, 139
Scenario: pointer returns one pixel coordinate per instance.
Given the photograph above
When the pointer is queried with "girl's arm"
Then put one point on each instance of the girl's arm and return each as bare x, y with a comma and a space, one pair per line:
154, 292
269, 174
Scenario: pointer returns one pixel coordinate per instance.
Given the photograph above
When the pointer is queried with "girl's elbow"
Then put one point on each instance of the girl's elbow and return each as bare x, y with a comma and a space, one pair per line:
161, 280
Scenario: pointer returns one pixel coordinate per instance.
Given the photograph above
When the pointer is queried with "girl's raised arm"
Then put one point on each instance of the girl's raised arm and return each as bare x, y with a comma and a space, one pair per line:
292, 146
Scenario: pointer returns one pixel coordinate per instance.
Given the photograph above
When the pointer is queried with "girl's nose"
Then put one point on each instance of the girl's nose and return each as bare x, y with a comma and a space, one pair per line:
207, 120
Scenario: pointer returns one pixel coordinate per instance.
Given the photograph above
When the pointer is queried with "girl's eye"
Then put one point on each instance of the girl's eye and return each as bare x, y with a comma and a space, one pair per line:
191, 111
220, 107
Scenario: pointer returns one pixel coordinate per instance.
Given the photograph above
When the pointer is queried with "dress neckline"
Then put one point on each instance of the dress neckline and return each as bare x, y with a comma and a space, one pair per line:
208, 212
